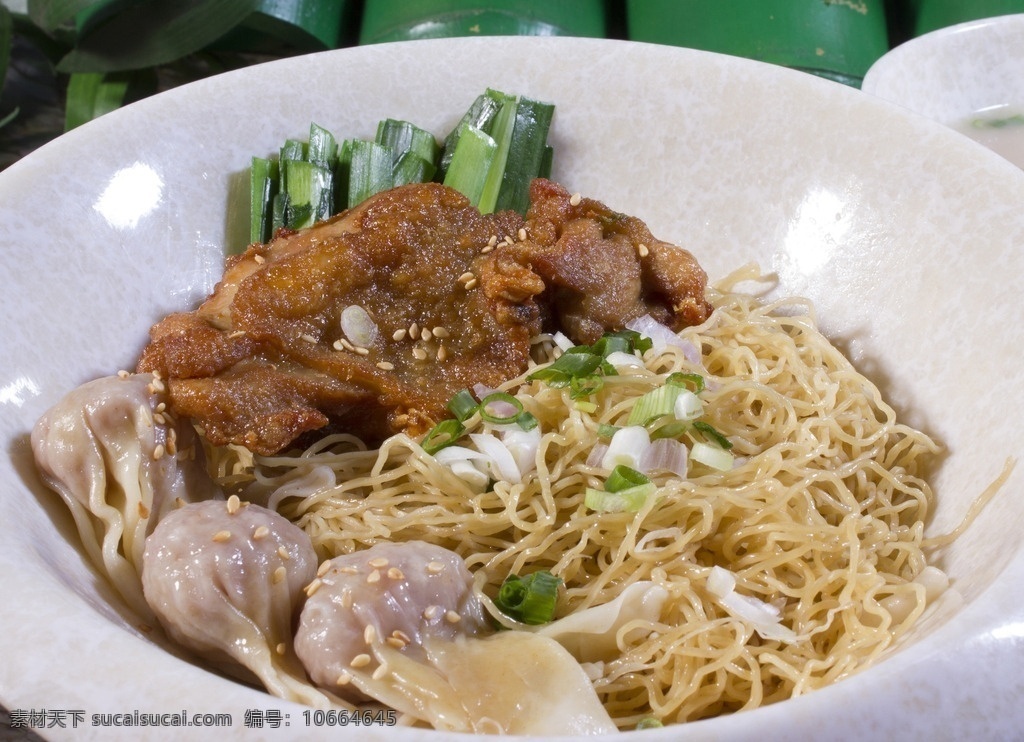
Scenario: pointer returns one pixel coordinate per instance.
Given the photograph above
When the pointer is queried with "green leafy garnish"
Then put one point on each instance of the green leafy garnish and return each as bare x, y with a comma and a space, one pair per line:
530, 599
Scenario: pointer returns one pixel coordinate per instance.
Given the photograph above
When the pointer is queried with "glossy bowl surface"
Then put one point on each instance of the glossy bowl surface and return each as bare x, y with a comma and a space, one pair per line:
907, 236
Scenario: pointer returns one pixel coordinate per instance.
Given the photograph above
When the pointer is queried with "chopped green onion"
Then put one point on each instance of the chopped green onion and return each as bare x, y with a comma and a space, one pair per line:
604, 430
654, 404
582, 387
713, 434
500, 398
369, 171
573, 363
501, 132
624, 477
694, 382
322, 148
531, 599
671, 429
263, 178
625, 491
526, 421
478, 116
445, 433
528, 154
584, 405
411, 168
310, 195
624, 501
471, 161
463, 405
713, 456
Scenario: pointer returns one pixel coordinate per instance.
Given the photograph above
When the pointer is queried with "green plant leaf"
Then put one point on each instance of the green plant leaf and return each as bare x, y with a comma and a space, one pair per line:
153, 32
91, 94
51, 15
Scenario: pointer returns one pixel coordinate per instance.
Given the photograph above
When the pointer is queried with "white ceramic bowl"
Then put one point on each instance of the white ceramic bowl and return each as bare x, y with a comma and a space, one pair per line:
970, 71
906, 236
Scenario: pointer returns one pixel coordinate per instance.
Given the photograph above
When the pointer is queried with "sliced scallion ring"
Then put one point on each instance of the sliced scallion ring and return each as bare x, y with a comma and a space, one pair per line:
500, 398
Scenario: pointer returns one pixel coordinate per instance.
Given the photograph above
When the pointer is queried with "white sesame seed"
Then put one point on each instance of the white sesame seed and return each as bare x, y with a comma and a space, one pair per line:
159, 419
574, 199
122, 374
399, 334
452, 617
385, 366
307, 337
467, 276
221, 536
442, 353
337, 345
360, 660
373, 577
642, 250
281, 648
401, 636
425, 335
343, 679
396, 574
522, 234
362, 351
378, 562
346, 598
313, 587
348, 570
279, 574
441, 332
158, 451
283, 553
431, 612
260, 260
369, 634
470, 285
380, 672
233, 504
414, 331
324, 568
394, 641
493, 241
260, 532
435, 567
419, 354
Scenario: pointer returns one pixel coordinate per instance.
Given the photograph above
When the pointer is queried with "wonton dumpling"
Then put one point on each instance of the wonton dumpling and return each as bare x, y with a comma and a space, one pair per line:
398, 591
120, 461
400, 624
225, 580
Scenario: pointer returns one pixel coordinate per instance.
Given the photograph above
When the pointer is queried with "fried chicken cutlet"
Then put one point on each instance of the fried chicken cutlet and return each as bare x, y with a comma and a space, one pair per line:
449, 298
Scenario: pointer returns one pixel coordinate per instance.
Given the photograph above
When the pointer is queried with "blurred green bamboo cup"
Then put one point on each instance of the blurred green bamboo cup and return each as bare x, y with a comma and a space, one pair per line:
836, 39
401, 20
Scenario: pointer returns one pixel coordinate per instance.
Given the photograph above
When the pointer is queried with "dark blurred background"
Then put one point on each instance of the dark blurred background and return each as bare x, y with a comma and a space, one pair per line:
64, 62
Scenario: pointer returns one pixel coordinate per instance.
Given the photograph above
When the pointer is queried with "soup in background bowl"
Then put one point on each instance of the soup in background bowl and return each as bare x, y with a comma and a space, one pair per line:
969, 76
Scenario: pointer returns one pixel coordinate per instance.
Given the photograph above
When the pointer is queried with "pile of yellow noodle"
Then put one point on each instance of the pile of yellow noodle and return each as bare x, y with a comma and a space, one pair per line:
822, 516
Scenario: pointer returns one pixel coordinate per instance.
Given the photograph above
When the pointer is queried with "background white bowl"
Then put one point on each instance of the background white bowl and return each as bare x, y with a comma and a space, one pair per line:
951, 74
906, 236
